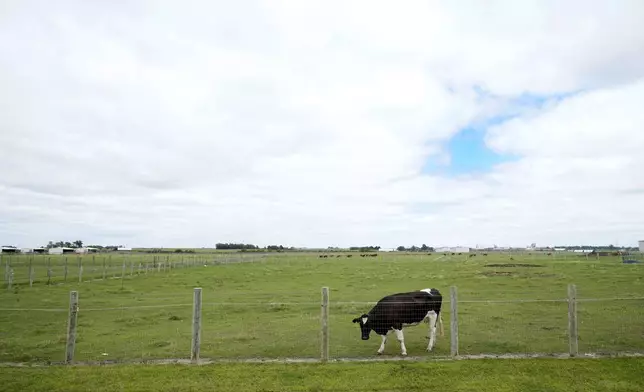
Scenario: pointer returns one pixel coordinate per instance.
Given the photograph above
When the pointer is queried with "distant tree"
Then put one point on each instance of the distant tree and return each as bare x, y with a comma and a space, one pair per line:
235, 246
401, 248
78, 244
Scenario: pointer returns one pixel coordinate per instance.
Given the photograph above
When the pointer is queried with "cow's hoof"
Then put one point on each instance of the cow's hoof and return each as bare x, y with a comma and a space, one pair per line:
403, 354
379, 353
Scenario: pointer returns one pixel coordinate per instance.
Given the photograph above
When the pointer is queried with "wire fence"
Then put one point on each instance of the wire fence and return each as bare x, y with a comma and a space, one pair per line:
198, 329
37, 270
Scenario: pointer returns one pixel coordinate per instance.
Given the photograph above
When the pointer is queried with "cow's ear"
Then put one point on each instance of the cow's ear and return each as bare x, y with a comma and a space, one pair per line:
356, 320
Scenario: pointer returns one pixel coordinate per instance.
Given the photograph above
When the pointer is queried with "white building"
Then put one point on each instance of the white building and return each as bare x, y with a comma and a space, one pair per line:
60, 251
86, 250
9, 249
453, 249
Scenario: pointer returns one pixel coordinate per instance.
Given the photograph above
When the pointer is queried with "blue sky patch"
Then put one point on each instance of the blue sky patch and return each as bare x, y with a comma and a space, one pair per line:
468, 155
467, 150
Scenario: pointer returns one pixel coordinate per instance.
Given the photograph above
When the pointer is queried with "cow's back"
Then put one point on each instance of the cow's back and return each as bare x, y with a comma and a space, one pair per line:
402, 308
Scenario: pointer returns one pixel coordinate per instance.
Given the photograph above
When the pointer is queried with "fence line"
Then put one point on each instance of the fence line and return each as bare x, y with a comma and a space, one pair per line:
326, 318
21, 269
258, 303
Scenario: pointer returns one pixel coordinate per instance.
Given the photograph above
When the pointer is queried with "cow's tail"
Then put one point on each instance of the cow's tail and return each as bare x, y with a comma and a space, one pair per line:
440, 321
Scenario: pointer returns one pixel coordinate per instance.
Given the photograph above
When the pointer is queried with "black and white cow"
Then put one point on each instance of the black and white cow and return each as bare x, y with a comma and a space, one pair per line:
396, 311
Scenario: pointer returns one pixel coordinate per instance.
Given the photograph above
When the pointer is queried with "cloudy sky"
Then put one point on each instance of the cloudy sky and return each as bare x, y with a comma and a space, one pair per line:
322, 123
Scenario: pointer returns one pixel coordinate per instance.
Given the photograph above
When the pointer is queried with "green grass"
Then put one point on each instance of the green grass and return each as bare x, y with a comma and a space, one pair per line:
149, 315
607, 375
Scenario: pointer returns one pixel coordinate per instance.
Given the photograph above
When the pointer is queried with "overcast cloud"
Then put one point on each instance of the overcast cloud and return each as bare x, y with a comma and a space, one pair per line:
186, 123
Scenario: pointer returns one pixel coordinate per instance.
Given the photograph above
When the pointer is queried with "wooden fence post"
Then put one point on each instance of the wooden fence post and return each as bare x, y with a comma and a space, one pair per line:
123, 274
31, 275
71, 327
572, 320
48, 270
80, 274
104, 271
196, 325
66, 266
10, 279
324, 349
453, 322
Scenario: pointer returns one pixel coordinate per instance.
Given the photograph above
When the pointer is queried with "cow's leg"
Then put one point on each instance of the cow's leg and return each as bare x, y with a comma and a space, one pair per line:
382, 345
432, 329
401, 339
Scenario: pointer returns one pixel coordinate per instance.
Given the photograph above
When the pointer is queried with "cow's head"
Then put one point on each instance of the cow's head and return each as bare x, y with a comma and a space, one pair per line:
364, 328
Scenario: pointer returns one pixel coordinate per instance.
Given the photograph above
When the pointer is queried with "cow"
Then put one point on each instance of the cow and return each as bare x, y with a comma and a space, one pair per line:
396, 311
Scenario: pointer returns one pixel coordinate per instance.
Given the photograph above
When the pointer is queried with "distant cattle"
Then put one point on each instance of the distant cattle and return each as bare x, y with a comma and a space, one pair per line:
484, 254
349, 255
396, 311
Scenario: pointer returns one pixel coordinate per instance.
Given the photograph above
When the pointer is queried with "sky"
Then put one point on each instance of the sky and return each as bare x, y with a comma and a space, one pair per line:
322, 123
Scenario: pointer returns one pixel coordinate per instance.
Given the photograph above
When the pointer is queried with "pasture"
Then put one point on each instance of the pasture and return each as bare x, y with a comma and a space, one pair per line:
268, 306
499, 375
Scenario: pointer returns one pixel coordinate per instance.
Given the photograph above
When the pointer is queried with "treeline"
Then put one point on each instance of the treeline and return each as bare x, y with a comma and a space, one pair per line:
64, 244
79, 244
231, 246
414, 248
364, 248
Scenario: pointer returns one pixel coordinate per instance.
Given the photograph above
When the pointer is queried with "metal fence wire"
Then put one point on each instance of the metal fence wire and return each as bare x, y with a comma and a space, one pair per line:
317, 330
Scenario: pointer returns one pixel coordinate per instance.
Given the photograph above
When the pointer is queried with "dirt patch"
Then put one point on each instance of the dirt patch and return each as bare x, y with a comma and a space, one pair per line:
512, 265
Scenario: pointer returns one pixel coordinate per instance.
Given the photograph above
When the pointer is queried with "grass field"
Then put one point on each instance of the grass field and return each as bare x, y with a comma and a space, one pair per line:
607, 375
270, 307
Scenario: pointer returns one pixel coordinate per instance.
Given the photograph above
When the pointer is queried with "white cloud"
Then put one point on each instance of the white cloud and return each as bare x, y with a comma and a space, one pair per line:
159, 123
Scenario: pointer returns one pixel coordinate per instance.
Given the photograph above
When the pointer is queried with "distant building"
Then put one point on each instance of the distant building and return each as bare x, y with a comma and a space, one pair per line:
453, 249
86, 250
9, 249
641, 244
60, 251
124, 249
